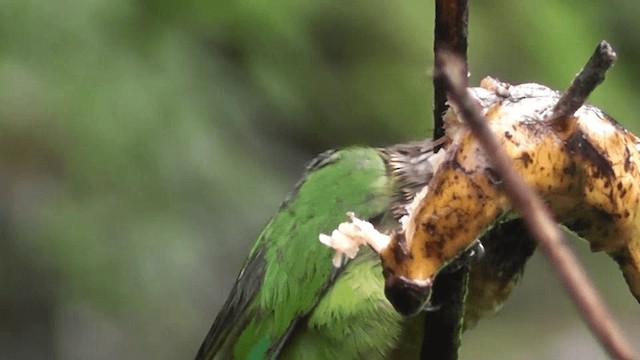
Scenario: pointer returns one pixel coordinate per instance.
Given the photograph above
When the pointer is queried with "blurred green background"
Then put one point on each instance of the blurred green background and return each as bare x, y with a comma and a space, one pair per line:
143, 145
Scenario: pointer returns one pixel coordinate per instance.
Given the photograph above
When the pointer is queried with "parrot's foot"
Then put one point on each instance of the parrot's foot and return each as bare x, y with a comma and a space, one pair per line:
474, 253
349, 236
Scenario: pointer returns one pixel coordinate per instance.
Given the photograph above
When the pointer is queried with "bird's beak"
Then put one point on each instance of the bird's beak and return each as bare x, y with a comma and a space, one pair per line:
408, 297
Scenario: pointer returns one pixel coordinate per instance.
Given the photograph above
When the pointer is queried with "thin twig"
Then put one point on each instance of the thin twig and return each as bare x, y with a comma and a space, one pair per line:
443, 327
584, 83
450, 33
536, 215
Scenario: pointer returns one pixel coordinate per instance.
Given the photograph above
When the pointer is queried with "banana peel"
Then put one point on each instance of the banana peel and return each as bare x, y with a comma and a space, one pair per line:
586, 167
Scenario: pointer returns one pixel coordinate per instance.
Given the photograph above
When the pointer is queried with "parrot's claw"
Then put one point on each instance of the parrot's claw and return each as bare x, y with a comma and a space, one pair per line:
428, 307
474, 253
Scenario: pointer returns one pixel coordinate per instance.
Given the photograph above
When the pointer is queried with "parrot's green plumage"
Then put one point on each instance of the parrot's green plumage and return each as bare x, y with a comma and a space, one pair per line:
289, 301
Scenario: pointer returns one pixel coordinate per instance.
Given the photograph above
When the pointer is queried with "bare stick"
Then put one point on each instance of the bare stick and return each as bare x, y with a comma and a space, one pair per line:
536, 215
443, 327
591, 75
450, 33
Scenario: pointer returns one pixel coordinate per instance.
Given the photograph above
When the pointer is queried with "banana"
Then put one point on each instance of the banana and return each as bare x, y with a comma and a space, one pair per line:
586, 169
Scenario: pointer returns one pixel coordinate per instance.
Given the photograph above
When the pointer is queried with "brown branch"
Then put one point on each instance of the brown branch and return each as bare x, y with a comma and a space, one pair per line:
443, 327
450, 34
584, 83
536, 215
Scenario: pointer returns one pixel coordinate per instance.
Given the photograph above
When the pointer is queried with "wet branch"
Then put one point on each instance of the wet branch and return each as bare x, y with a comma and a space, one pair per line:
536, 215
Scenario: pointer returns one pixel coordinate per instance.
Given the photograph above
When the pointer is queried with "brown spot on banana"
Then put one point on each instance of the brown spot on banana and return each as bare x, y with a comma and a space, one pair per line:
586, 171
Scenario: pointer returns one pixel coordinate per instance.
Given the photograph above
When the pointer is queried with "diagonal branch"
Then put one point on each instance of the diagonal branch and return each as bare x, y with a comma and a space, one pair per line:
536, 215
584, 83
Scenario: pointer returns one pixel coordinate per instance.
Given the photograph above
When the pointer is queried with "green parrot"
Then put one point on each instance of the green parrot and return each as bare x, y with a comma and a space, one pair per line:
289, 301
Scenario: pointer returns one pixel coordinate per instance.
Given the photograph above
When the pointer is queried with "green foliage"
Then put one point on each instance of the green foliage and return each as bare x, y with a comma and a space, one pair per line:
144, 143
